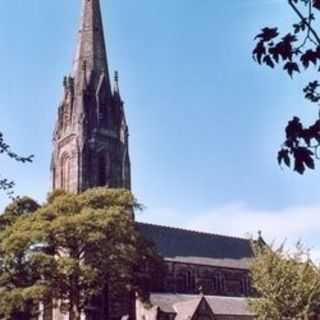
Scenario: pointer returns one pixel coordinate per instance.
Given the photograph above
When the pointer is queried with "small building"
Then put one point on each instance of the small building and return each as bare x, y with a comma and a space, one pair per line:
194, 307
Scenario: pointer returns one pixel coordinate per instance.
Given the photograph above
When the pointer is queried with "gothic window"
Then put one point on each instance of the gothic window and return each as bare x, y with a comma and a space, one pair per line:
185, 281
245, 286
220, 281
65, 172
190, 282
181, 283
54, 178
102, 171
169, 285
213, 285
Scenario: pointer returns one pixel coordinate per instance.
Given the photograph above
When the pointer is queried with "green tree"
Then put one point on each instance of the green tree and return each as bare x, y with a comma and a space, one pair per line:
79, 244
20, 206
287, 284
17, 275
296, 50
5, 184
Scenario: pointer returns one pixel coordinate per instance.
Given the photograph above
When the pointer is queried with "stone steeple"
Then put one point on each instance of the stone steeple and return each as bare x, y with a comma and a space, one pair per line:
91, 134
91, 49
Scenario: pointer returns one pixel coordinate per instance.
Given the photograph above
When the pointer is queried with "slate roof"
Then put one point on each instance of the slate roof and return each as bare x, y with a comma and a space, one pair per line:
197, 247
186, 309
186, 304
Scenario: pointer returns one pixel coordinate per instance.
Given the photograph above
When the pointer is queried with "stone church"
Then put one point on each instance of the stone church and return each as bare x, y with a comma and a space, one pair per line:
207, 274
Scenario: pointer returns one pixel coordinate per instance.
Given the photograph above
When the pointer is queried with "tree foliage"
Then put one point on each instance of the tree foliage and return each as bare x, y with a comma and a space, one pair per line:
295, 51
287, 284
17, 275
74, 247
20, 206
6, 184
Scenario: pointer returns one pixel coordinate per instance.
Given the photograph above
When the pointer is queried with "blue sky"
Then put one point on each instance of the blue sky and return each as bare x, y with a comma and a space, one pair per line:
205, 120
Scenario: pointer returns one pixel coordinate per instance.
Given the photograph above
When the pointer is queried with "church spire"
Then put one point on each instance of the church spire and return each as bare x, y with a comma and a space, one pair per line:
91, 50
91, 135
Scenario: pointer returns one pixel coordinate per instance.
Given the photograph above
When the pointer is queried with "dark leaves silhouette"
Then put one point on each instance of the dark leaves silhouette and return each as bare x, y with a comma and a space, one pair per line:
268, 61
291, 67
309, 56
267, 34
259, 51
296, 51
316, 4
283, 156
303, 158
5, 184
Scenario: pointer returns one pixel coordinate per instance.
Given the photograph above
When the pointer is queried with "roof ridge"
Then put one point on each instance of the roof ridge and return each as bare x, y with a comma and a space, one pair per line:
226, 297
196, 296
193, 231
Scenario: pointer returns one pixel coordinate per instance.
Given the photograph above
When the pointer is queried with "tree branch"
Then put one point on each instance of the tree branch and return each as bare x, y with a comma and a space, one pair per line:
306, 21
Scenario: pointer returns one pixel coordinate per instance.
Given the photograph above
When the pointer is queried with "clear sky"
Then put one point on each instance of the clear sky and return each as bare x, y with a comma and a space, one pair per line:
205, 121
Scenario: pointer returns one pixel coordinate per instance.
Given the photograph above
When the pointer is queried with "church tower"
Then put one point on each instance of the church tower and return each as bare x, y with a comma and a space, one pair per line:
91, 135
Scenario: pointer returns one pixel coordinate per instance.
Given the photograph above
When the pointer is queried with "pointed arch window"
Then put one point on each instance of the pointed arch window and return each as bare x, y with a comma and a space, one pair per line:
65, 172
102, 171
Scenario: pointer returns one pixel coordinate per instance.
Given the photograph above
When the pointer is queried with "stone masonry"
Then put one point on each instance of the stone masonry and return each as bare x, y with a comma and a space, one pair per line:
91, 149
91, 134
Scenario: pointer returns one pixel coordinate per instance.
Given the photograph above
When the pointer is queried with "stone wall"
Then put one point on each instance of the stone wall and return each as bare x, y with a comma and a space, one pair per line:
188, 278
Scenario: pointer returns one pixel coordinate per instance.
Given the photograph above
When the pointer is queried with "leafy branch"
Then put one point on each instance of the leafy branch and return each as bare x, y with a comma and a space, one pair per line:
296, 51
5, 184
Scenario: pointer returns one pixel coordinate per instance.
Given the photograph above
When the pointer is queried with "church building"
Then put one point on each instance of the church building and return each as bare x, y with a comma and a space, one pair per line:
207, 275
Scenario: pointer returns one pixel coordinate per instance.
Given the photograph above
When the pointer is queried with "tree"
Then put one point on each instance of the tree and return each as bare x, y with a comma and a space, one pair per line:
17, 275
287, 284
19, 207
80, 245
295, 51
5, 184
